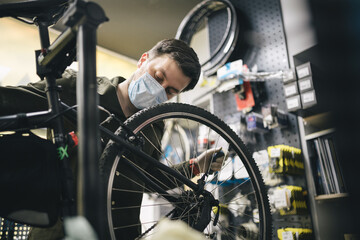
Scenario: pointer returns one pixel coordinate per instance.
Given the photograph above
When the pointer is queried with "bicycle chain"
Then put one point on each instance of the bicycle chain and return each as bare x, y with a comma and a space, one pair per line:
153, 226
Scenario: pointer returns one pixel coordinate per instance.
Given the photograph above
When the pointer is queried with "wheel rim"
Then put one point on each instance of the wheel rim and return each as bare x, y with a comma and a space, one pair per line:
227, 190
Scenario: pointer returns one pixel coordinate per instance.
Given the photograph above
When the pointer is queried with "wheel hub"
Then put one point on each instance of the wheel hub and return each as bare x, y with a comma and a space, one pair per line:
195, 210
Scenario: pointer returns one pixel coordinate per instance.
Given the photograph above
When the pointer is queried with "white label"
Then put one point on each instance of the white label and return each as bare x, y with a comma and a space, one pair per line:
303, 72
230, 70
306, 84
275, 152
287, 235
290, 90
280, 199
256, 216
308, 97
292, 103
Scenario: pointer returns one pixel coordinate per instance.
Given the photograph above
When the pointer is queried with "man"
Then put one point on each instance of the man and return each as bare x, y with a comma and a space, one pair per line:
169, 68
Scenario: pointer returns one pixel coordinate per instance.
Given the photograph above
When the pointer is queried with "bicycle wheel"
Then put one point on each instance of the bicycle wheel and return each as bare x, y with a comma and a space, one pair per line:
243, 210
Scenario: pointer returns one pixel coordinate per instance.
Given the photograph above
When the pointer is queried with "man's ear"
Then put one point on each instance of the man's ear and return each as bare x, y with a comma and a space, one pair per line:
143, 58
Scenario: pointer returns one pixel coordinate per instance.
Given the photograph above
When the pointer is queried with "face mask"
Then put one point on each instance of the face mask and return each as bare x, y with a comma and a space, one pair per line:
146, 92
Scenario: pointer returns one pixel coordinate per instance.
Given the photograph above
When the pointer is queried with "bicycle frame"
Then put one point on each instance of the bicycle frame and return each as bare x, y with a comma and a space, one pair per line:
139, 153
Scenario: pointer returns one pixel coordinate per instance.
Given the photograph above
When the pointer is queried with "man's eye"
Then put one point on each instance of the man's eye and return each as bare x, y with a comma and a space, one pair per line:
159, 79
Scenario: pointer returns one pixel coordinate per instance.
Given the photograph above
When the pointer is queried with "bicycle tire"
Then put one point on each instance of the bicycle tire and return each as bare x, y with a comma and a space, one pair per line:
252, 187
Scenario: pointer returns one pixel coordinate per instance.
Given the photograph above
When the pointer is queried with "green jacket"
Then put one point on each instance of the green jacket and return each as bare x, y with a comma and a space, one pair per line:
32, 98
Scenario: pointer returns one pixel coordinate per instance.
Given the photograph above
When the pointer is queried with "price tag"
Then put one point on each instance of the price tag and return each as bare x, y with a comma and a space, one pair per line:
275, 152
281, 199
287, 235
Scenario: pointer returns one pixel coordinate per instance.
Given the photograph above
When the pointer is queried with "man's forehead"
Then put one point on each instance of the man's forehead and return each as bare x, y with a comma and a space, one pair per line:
175, 75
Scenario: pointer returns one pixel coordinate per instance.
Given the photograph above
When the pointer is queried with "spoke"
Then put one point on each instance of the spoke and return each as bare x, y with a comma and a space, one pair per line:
134, 225
194, 148
153, 145
159, 143
152, 177
239, 169
227, 178
126, 190
184, 149
182, 216
234, 188
143, 223
244, 214
152, 205
226, 231
194, 138
151, 233
162, 154
189, 210
216, 144
237, 228
168, 176
217, 180
222, 167
132, 180
253, 192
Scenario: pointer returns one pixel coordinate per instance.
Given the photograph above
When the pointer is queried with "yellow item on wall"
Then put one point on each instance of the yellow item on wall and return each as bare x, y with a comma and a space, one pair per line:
285, 160
294, 233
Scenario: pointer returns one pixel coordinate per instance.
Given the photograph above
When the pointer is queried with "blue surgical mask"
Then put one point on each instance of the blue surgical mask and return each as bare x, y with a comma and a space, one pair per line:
146, 92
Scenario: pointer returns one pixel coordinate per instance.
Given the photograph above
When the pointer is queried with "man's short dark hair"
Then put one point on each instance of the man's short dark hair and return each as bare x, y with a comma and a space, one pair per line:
183, 55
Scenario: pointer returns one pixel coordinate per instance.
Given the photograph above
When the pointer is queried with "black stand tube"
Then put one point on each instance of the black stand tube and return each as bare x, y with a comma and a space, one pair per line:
89, 194
87, 16
90, 199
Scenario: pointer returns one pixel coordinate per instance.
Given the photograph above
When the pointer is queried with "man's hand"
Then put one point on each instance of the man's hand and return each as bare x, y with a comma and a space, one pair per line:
203, 161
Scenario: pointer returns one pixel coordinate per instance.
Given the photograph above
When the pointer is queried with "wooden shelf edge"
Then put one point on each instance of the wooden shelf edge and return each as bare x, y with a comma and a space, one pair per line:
331, 196
319, 134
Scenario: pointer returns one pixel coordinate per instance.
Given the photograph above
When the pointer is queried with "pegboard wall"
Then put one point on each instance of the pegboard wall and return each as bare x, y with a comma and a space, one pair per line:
270, 53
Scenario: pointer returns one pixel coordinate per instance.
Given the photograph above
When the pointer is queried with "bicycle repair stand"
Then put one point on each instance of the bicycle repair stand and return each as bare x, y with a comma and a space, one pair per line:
82, 19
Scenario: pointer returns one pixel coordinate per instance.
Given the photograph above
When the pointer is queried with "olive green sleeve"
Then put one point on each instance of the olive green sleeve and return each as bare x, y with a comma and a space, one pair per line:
15, 100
